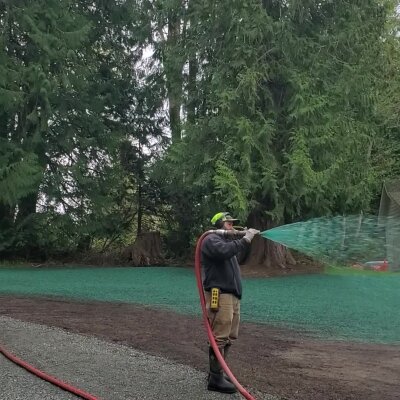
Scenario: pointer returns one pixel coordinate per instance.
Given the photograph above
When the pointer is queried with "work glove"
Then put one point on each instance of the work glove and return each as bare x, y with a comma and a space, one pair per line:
250, 233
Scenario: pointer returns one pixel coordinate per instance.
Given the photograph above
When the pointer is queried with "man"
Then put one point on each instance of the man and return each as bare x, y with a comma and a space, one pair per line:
223, 290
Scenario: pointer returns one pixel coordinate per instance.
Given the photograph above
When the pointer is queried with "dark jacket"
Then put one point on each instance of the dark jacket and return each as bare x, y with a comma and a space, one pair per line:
220, 267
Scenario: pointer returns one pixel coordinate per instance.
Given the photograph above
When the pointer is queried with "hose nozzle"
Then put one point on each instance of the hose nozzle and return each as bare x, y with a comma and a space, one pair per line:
231, 233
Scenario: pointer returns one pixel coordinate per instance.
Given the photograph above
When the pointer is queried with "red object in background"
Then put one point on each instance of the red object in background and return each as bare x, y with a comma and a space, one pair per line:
376, 265
381, 267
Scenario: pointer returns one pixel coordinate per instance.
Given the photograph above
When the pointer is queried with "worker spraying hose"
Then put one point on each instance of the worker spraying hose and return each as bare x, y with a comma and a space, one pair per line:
221, 282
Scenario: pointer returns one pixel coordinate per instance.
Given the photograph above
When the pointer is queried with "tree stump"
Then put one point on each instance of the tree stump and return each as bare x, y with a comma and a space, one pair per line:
145, 251
266, 253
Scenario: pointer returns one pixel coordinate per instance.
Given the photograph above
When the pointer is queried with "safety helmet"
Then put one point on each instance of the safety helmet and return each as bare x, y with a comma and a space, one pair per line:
218, 219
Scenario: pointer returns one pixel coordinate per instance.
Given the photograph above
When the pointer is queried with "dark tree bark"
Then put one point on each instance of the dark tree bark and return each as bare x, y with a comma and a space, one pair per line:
6, 228
264, 252
192, 90
6, 215
26, 207
146, 250
173, 70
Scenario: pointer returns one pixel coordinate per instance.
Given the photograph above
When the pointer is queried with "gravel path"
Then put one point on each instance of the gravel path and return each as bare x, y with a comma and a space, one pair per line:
103, 369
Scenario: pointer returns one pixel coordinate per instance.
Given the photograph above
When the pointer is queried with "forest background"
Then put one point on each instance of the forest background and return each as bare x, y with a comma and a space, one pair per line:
125, 125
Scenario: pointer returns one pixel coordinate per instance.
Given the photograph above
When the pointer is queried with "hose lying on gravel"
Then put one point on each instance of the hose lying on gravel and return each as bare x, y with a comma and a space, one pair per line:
46, 377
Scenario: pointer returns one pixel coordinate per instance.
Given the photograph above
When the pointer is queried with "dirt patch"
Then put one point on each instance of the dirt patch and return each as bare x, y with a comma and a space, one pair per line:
275, 361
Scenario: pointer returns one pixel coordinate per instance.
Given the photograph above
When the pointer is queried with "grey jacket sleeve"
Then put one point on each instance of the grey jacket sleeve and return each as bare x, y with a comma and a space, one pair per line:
215, 246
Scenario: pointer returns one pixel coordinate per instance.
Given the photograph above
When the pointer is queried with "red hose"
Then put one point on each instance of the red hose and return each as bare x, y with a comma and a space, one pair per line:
46, 377
197, 265
87, 396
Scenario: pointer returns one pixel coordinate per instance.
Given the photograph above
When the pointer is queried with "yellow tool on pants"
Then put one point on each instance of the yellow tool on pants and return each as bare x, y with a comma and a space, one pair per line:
214, 303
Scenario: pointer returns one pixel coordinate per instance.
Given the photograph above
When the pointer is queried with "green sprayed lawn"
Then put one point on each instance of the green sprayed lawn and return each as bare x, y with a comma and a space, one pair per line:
340, 306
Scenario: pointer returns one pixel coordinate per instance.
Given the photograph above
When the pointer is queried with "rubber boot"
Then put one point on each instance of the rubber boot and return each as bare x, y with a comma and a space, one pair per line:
225, 354
216, 380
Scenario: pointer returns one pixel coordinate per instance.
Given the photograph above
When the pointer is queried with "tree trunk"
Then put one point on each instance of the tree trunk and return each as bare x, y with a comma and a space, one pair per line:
264, 252
140, 179
139, 210
26, 207
6, 215
6, 228
173, 70
146, 250
192, 90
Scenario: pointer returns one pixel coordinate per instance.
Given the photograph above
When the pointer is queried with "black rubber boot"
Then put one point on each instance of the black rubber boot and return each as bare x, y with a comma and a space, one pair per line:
225, 354
216, 380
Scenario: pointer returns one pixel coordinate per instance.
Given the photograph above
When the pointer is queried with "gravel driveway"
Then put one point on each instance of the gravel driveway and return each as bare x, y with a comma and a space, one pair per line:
103, 369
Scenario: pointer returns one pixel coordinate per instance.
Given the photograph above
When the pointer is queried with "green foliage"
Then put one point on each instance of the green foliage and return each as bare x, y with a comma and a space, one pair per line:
290, 116
68, 98
286, 109
20, 173
227, 183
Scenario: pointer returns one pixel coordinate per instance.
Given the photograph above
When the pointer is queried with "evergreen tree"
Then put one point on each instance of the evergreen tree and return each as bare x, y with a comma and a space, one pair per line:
69, 77
287, 111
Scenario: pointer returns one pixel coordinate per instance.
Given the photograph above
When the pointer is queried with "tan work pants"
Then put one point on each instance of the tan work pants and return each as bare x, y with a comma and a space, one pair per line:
224, 322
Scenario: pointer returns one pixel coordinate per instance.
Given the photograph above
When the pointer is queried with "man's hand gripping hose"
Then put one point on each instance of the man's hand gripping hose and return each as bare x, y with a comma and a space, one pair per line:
232, 234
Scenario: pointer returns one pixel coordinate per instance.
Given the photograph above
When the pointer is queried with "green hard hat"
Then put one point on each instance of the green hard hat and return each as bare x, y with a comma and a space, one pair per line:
221, 217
